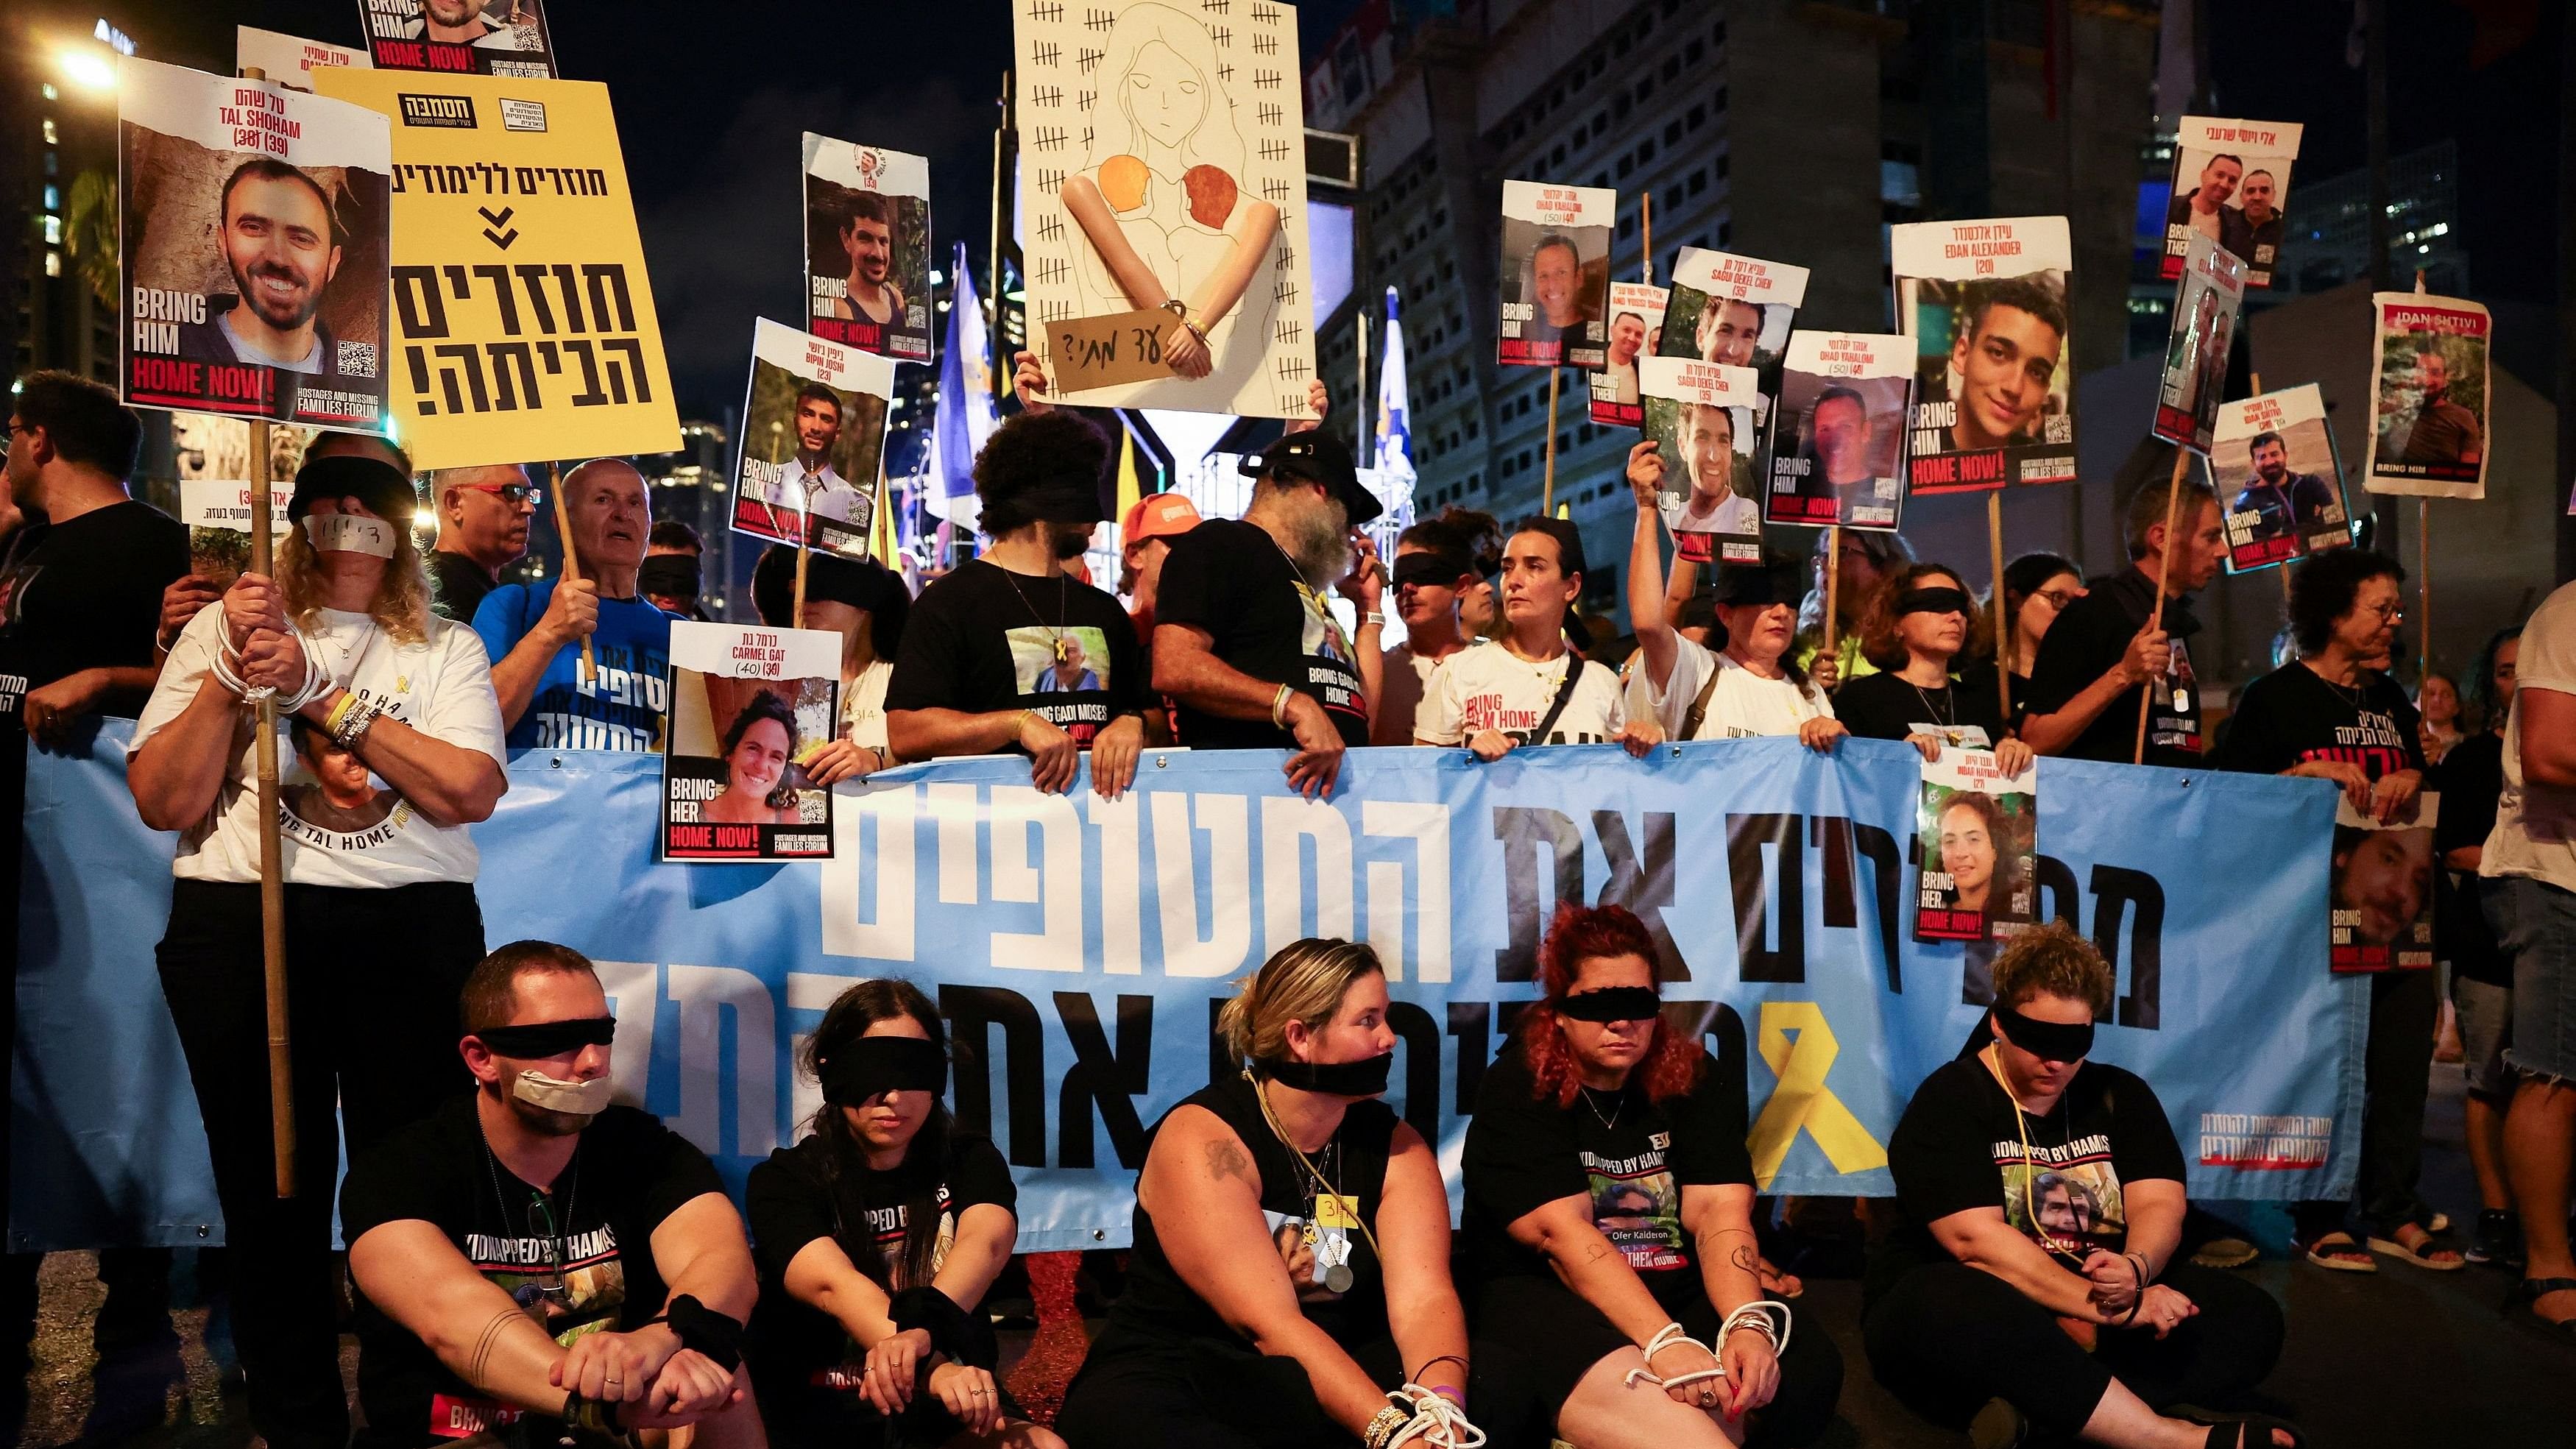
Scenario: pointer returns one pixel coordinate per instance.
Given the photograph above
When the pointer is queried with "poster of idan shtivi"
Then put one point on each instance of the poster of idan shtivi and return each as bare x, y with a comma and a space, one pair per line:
1556, 274
749, 705
217, 513
2230, 181
2383, 888
1705, 420
2204, 324
523, 319
1733, 311
813, 430
1994, 380
2428, 433
1163, 157
1837, 453
2272, 459
253, 248
867, 248
460, 37
1978, 831
286, 59
1636, 321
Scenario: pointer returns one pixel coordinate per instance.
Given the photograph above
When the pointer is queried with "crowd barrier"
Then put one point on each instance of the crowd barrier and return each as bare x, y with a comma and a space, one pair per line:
1080, 948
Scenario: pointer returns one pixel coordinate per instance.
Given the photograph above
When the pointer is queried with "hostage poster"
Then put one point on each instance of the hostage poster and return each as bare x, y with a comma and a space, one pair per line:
287, 59
460, 37
1705, 421
2383, 888
2230, 181
2428, 433
1985, 302
749, 705
1556, 274
2204, 323
1162, 160
217, 513
1978, 833
253, 251
1837, 454
524, 321
1636, 322
813, 432
1733, 311
867, 248
2272, 459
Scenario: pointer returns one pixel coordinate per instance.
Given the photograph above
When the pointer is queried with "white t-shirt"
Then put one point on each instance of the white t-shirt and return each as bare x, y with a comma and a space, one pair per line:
1493, 688
2535, 829
1405, 686
863, 717
1743, 704
442, 687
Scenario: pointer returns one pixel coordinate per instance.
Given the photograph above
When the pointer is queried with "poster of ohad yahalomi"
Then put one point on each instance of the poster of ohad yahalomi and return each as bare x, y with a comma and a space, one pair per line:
748, 706
1556, 274
2428, 432
2204, 325
1994, 380
460, 37
1705, 421
1979, 838
2383, 889
1162, 204
1837, 454
867, 248
1636, 321
813, 431
2230, 182
253, 249
2272, 459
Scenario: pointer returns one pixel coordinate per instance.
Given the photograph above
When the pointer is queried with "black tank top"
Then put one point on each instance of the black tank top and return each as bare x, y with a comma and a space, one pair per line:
1159, 1306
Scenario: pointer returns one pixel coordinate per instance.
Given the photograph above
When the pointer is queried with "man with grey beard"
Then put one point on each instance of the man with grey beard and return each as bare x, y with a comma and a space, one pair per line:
1245, 643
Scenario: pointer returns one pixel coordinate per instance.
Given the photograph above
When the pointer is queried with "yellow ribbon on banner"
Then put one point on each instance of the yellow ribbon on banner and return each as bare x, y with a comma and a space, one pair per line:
1798, 1044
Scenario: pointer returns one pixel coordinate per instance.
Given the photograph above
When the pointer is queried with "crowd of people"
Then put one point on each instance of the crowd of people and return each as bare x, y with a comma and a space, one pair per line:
529, 1261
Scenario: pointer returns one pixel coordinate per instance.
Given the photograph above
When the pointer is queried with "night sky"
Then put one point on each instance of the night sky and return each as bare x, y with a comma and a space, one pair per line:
710, 99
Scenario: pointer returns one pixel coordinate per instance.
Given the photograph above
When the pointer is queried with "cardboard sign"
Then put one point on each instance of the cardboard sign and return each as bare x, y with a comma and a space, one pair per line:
1556, 274
2230, 181
1837, 453
2273, 461
867, 248
2204, 322
810, 467
2428, 434
1109, 351
286, 59
1994, 377
749, 707
460, 37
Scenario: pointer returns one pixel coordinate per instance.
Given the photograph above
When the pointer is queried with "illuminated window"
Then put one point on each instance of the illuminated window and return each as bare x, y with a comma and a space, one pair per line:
53, 231
51, 138
53, 264
53, 198
50, 93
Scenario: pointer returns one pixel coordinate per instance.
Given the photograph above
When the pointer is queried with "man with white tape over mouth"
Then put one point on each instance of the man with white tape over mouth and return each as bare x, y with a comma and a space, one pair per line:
534, 630
534, 1262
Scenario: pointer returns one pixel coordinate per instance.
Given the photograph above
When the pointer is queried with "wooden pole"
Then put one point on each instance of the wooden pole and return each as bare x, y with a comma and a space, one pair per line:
1995, 556
1833, 581
2424, 585
1362, 440
2164, 570
272, 855
571, 561
1646, 237
1547, 482
796, 617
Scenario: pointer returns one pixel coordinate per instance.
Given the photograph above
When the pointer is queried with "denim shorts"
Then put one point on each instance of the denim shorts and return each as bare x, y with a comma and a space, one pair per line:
2486, 1023
2535, 928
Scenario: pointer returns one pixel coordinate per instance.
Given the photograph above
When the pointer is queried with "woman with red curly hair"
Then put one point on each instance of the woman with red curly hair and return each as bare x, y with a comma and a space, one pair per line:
1610, 1216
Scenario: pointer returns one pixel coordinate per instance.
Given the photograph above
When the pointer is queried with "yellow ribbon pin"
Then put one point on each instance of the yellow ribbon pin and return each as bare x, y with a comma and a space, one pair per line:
1798, 1044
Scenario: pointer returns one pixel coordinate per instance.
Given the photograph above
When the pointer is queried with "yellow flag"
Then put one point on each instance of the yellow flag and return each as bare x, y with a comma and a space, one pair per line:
1128, 488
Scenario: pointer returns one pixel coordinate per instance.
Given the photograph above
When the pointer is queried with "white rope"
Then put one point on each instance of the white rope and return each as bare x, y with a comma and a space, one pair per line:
1755, 1315
317, 681
1436, 1421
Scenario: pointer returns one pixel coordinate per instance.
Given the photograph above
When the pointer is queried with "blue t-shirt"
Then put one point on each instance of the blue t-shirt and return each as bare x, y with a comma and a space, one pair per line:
623, 706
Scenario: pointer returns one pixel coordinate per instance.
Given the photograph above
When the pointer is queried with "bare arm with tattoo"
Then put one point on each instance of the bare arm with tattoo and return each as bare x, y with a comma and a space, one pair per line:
410, 1271
1591, 1265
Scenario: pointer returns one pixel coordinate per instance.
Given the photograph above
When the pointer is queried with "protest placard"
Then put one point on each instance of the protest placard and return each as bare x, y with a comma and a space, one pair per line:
2231, 180
2272, 459
217, 513
1705, 420
749, 705
1977, 829
2383, 888
1837, 453
813, 432
460, 37
2429, 430
2204, 323
867, 248
1985, 302
1556, 274
1636, 322
1732, 310
285, 59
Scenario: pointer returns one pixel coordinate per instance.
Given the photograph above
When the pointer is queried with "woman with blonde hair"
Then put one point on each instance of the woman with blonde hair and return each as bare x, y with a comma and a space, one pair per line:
1290, 1280
382, 927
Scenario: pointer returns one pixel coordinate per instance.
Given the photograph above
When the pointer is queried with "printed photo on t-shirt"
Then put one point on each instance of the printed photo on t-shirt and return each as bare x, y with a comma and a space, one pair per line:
1049, 660
1310, 1252
1638, 1207
2079, 1204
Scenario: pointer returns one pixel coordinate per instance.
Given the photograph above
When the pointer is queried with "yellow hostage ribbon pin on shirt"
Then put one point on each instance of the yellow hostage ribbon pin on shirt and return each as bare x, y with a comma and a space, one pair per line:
1798, 1044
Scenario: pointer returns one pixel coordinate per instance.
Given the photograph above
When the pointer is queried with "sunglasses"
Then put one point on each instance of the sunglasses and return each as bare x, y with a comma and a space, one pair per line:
512, 494
541, 1224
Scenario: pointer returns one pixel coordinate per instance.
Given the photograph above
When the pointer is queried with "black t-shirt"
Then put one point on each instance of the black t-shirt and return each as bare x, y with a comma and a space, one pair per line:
2292, 716
85, 594
1230, 579
2470, 778
792, 1201
985, 639
1627, 1156
2087, 641
628, 1174
1959, 1146
1884, 706
457, 585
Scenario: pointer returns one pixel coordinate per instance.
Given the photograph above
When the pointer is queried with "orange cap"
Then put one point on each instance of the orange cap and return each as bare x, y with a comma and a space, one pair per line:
1157, 515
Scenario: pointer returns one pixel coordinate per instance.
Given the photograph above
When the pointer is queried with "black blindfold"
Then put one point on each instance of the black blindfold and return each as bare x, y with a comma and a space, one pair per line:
1935, 601
875, 1064
1616, 1003
539, 1040
1431, 570
2050, 1041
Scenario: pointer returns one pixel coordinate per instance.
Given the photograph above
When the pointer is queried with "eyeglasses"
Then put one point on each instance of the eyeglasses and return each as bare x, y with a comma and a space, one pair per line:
541, 1224
2057, 598
2388, 613
512, 494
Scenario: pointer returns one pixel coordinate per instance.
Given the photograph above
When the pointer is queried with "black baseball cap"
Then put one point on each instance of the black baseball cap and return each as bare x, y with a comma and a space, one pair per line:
1317, 457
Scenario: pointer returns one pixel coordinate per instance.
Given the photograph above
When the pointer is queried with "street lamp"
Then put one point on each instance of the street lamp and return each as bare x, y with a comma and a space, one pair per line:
86, 68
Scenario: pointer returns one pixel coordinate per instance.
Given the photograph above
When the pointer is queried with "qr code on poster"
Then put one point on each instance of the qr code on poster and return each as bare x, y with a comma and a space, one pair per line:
813, 807
2059, 429
357, 359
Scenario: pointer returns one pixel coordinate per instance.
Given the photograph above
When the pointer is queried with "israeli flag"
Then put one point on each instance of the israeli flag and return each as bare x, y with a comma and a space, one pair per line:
966, 415
1394, 443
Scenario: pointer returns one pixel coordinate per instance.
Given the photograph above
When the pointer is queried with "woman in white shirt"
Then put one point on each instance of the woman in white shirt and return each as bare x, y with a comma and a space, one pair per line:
1530, 688
864, 603
1752, 686
382, 927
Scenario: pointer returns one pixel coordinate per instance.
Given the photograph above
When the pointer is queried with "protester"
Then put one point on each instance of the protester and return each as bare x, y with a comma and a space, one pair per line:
1916, 627
669, 577
534, 632
2105, 646
2332, 715
976, 674
865, 604
2037, 588
1290, 1276
2039, 1206
483, 517
344, 636
2437, 704
878, 1237
534, 1260
2529, 864
1862, 561
1244, 643
1613, 1240
1748, 687
1437, 579
2470, 778
1144, 540
1532, 688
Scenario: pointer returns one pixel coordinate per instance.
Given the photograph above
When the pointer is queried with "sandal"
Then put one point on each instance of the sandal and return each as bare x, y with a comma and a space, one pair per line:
2246, 1431
2337, 1252
1998, 1426
2421, 1252
2526, 1296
